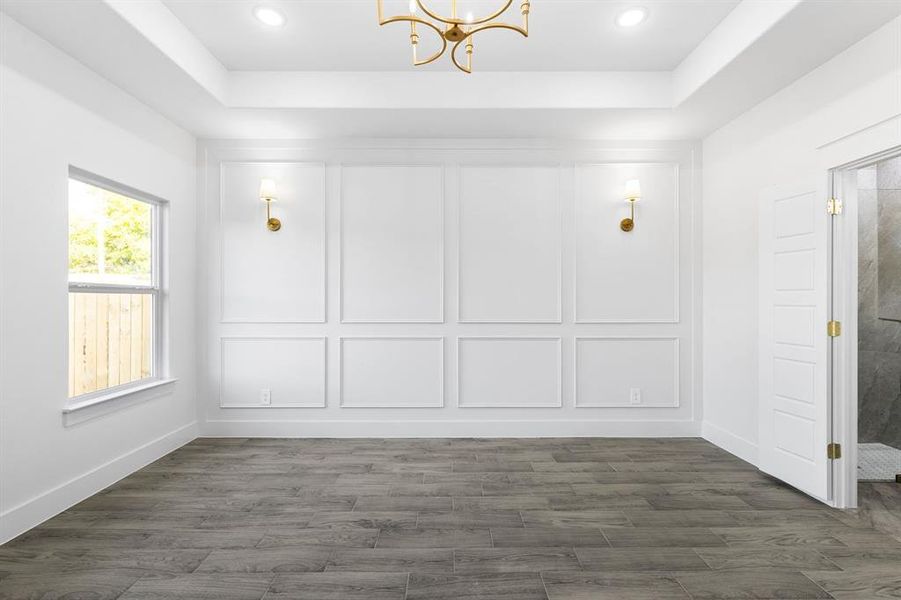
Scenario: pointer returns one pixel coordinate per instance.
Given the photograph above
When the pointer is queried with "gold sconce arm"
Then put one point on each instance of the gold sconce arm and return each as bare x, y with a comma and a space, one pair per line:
628, 224
272, 224
632, 193
268, 194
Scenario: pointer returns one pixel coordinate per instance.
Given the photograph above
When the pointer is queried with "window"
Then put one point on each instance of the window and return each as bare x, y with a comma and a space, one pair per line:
114, 287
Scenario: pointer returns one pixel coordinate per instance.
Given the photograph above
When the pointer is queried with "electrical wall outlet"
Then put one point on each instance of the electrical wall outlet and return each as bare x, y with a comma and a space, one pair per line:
266, 397
635, 396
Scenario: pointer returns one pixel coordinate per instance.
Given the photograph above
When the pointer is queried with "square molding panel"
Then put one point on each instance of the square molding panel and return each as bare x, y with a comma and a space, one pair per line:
627, 372
510, 245
509, 372
392, 244
273, 277
291, 369
392, 372
626, 277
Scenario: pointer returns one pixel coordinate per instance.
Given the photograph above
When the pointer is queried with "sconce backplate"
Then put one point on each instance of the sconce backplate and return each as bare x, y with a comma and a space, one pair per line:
273, 224
627, 224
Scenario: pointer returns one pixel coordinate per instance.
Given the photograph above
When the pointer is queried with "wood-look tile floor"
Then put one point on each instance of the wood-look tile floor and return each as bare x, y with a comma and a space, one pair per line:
462, 519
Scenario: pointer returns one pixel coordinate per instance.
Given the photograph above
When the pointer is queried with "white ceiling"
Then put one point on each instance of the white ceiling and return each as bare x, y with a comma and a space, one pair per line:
343, 35
575, 90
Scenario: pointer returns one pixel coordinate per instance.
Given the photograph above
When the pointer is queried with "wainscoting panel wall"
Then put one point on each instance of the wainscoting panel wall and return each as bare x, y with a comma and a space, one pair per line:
627, 277
292, 370
509, 372
510, 245
448, 289
392, 372
611, 371
392, 244
266, 277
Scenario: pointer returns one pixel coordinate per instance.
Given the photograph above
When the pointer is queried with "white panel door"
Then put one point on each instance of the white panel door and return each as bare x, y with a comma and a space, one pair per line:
794, 345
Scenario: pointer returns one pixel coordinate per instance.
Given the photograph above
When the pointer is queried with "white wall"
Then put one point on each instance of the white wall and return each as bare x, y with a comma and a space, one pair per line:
448, 289
56, 113
844, 110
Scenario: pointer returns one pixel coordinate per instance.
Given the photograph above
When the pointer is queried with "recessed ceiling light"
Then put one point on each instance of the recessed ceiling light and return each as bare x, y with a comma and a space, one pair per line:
269, 16
631, 17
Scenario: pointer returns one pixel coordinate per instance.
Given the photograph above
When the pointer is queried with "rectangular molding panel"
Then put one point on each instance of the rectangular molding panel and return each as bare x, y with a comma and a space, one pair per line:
292, 370
609, 370
272, 277
428, 291
517, 372
392, 372
627, 277
510, 241
392, 244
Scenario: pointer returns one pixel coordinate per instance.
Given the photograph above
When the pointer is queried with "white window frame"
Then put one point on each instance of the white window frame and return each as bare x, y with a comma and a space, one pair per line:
146, 387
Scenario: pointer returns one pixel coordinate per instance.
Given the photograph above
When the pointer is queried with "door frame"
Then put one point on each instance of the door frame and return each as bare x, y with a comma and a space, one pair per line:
844, 300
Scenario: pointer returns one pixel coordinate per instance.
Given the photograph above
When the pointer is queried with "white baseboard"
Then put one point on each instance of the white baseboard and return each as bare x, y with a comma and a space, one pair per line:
450, 429
740, 447
23, 517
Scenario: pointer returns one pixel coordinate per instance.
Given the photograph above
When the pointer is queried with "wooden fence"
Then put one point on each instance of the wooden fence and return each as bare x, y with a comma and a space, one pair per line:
110, 340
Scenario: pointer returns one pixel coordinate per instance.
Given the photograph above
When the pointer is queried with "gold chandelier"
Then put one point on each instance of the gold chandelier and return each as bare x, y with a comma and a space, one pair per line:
454, 29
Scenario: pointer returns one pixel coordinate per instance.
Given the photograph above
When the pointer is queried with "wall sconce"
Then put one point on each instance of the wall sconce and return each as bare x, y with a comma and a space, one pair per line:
267, 195
633, 193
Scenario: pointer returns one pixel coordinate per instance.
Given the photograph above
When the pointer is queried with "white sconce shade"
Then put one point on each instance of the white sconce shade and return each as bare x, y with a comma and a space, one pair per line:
633, 190
267, 190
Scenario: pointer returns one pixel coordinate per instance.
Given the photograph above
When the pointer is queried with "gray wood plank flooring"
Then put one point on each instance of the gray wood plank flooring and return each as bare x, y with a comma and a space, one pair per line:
458, 519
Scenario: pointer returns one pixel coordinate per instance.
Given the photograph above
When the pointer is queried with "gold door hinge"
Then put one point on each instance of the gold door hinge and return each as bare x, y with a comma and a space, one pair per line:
834, 206
833, 451
834, 328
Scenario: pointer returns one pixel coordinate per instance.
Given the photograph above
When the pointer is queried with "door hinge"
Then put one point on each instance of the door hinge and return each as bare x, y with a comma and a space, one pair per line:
834, 328
833, 451
834, 206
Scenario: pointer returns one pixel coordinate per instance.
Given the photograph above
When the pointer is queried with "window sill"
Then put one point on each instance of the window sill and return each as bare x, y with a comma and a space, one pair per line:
98, 406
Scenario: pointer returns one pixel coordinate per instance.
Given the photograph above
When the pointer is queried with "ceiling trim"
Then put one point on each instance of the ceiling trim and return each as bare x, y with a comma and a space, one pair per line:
427, 90
750, 55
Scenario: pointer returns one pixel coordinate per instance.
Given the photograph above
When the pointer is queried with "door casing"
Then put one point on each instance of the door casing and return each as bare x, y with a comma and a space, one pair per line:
843, 185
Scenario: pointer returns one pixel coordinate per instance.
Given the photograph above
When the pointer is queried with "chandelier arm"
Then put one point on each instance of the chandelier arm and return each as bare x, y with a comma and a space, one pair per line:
457, 21
412, 19
453, 54
521, 30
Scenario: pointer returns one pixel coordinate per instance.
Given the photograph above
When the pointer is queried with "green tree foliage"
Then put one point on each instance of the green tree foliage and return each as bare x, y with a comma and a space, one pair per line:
122, 223
82, 246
